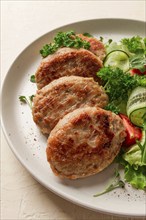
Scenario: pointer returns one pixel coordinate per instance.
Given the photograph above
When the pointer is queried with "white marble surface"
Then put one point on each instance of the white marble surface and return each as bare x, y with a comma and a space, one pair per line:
22, 22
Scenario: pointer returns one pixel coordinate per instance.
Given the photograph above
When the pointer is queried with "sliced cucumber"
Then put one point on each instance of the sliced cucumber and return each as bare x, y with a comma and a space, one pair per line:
136, 116
136, 106
117, 58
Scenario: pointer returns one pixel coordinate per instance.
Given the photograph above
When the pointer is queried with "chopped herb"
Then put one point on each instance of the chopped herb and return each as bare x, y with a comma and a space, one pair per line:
112, 107
23, 99
118, 85
48, 49
110, 41
101, 39
32, 79
31, 97
27, 100
64, 39
135, 44
87, 35
117, 183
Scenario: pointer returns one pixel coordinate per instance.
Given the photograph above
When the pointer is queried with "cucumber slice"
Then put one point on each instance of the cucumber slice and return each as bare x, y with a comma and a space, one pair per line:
137, 115
117, 58
136, 106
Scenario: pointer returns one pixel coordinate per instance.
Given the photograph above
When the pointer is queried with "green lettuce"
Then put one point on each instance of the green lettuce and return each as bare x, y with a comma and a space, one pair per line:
136, 177
133, 157
134, 171
134, 162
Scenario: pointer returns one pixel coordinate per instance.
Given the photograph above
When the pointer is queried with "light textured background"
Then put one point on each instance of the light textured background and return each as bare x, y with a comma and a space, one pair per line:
22, 22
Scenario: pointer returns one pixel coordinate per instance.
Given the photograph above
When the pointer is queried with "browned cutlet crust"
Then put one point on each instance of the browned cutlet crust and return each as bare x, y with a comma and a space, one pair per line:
64, 95
67, 62
84, 142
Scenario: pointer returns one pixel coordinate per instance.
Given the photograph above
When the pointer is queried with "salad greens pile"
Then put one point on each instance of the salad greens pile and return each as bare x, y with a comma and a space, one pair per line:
118, 85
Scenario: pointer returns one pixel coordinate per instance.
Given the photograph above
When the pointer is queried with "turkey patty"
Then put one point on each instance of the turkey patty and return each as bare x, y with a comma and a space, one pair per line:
64, 95
67, 62
84, 142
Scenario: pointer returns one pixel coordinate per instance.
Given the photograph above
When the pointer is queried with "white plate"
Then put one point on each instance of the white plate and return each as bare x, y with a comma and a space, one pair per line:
28, 144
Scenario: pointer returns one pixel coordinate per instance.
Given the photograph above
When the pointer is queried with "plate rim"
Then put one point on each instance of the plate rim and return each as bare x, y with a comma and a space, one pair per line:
22, 161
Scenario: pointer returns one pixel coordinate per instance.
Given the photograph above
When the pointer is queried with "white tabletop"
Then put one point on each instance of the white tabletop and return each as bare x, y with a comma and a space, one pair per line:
22, 22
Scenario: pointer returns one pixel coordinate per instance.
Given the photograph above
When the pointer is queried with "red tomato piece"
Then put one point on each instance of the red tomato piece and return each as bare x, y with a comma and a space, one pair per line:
137, 71
133, 133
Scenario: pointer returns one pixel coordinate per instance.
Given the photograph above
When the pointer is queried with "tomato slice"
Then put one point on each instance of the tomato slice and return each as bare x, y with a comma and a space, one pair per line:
133, 133
137, 71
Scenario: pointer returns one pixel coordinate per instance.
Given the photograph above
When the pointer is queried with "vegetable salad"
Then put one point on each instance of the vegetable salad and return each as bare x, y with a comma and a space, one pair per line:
124, 80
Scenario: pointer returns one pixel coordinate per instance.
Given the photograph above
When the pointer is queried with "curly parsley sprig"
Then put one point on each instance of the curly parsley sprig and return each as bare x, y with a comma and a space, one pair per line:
64, 39
135, 44
119, 85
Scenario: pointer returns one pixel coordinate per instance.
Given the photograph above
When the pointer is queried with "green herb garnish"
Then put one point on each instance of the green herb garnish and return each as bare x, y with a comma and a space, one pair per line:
64, 39
117, 183
27, 100
113, 108
87, 35
101, 38
135, 44
23, 99
110, 41
32, 79
31, 97
117, 83
118, 86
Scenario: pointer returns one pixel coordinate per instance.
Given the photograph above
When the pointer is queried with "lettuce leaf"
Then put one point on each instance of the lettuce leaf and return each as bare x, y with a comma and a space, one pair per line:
133, 156
134, 163
133, 174
137, 178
